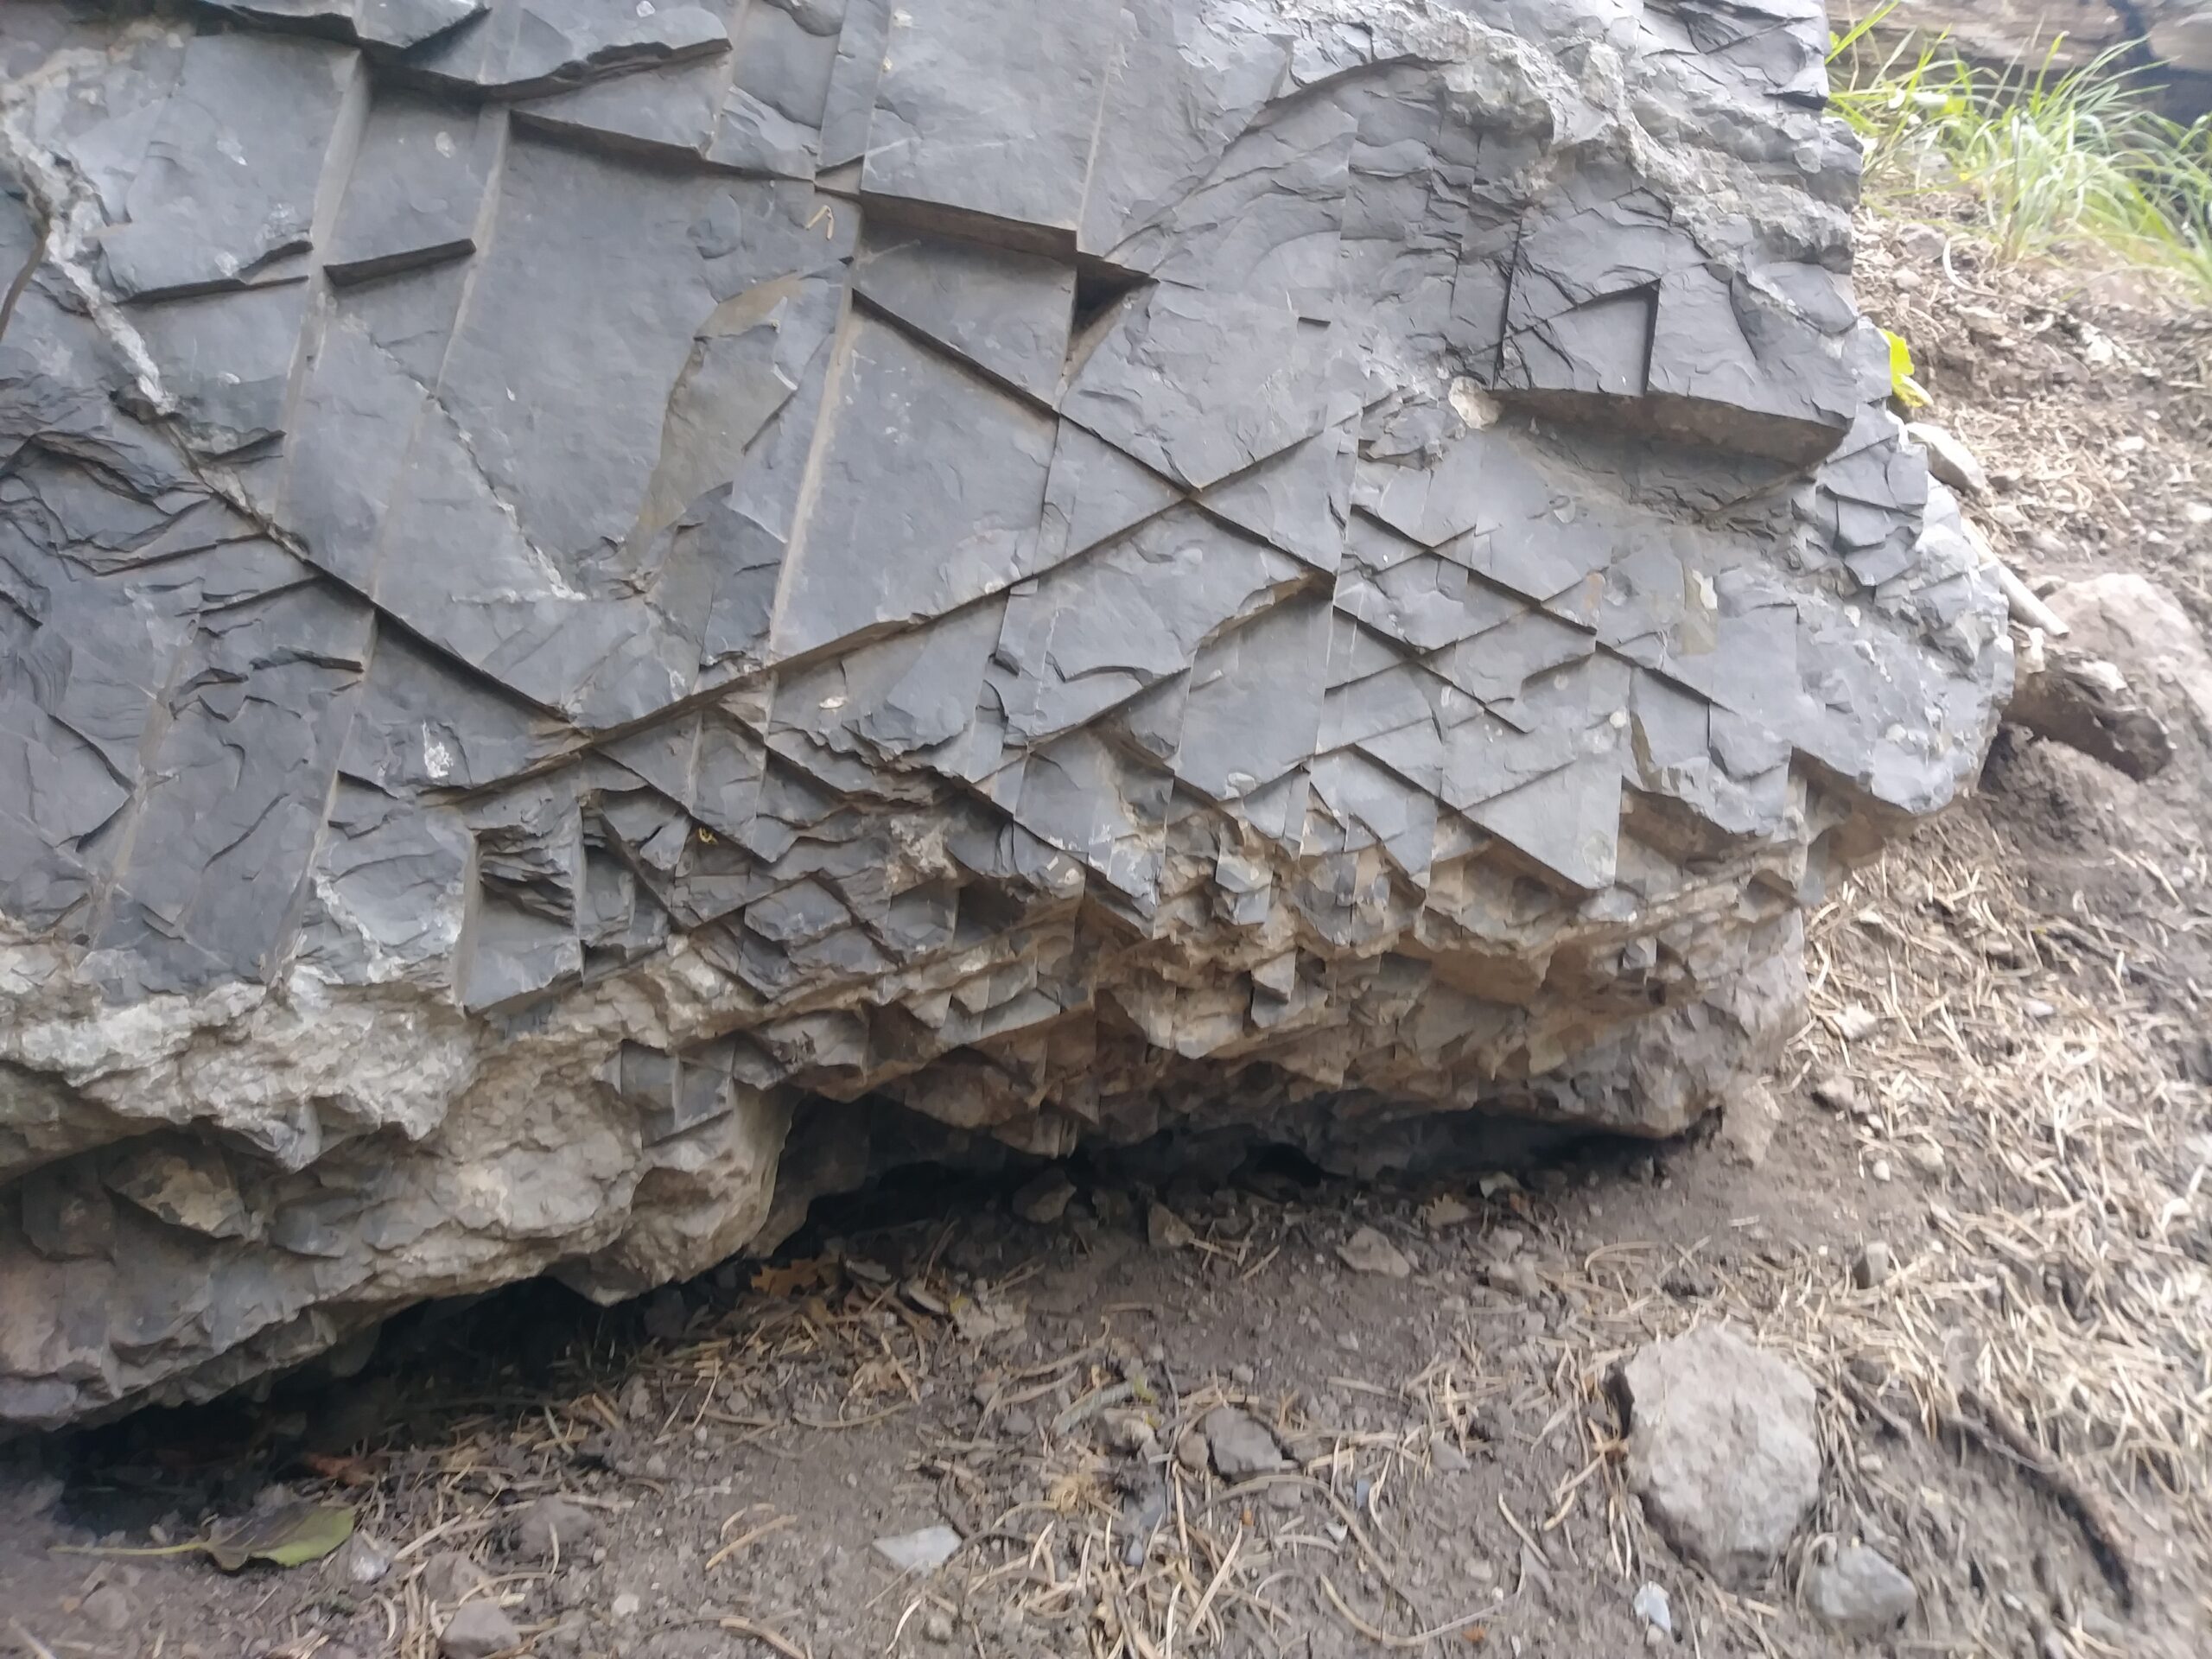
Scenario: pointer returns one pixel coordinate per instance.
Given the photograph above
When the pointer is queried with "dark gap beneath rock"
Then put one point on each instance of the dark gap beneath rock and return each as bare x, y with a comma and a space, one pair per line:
437, 1366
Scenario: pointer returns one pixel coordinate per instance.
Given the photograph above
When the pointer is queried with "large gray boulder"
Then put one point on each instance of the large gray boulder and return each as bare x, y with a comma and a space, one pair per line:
612, 615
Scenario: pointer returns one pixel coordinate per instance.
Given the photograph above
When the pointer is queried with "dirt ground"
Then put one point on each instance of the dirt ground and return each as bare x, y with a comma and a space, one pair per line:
2004, 1083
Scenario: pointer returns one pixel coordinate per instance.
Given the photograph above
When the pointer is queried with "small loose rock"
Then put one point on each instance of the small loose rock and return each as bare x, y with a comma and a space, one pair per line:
1166, 1230
1046, 1199
1861, 1592
1872, 1265
478, 1629
449, 1576
363, 1560
1837, 1092
1368, 1252
1925, 1156
1748, 1124
921, 1551
1191, 1450
1241, 1446
1950, 459
1854, 1022
1721, 1448
551, 1528
110, 1609
1518, 1276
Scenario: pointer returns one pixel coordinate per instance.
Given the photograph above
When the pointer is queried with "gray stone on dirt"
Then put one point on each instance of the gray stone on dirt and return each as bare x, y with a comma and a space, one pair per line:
1721, 1448
1872, 1267
1836, 1092
1166, 1230
1949, 459
921, 1551
1368, 1252
1861, 1592
620, 617
449, 1576
1242, 1446
1519, 1276
363, 1560
1748, 1123
478, 1630
1045, 1199
550, 1528
1927, 1157
109, 1608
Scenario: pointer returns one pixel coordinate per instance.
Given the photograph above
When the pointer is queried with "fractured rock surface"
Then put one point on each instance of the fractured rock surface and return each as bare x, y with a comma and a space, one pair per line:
612, 615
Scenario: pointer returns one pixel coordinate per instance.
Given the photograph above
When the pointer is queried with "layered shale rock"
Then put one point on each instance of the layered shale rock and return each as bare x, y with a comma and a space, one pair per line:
612, 615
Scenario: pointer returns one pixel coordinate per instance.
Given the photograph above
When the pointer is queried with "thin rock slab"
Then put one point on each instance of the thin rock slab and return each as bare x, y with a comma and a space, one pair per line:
1721, 1448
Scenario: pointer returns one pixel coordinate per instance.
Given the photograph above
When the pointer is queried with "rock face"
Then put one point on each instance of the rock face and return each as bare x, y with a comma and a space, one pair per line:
612, 615
1721, 1449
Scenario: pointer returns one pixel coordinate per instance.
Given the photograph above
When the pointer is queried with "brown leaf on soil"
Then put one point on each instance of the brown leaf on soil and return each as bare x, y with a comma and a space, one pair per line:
815, 1273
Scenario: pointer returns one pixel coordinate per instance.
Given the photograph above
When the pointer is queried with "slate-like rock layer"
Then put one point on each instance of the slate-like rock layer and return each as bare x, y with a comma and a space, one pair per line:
611, 614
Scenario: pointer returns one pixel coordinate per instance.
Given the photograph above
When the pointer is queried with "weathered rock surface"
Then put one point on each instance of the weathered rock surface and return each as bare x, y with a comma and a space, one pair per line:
612, 615
1721, 1448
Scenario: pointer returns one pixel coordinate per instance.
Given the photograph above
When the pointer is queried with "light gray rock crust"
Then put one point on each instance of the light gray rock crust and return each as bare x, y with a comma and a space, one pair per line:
611, 616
